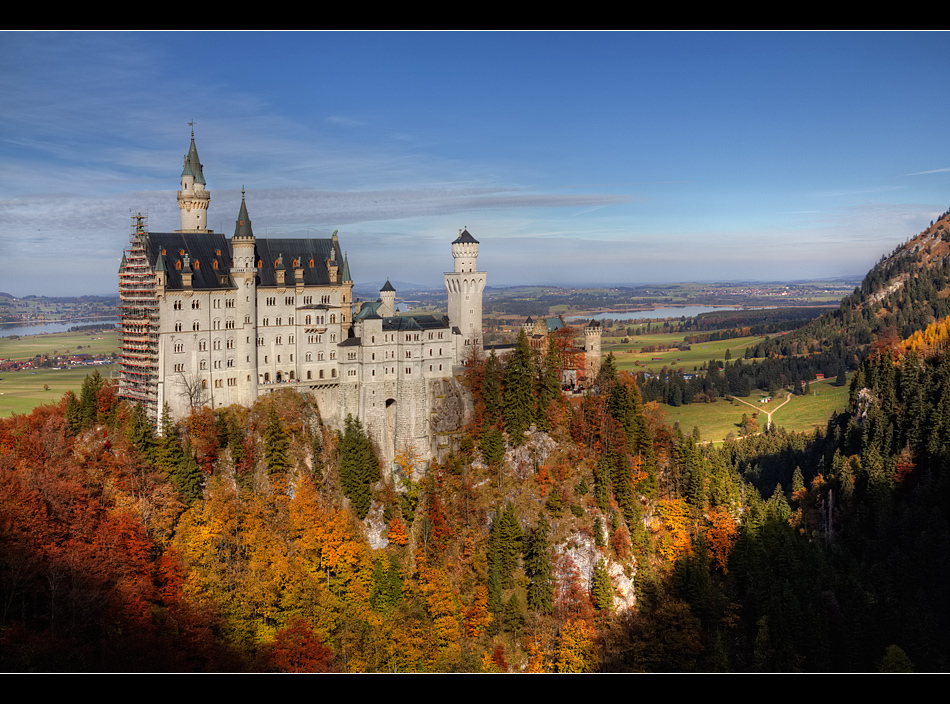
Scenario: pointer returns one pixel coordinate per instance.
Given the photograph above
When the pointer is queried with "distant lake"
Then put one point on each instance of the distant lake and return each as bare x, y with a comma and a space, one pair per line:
9, 329
673, 312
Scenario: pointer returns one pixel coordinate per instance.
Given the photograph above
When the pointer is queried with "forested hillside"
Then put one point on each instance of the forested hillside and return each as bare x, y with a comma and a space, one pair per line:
903, 293
560, 536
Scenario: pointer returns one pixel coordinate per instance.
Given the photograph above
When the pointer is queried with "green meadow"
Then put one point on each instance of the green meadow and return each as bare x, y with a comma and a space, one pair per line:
801, 414
28, 346
630, 358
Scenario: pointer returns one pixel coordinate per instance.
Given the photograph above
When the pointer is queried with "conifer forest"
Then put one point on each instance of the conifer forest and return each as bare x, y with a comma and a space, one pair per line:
561, 534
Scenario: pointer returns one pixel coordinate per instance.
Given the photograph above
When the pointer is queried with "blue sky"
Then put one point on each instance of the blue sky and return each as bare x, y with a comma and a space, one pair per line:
574, 158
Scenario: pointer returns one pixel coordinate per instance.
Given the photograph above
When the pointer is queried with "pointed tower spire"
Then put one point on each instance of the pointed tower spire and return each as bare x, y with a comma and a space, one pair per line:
242, 226
193, 198
346, 269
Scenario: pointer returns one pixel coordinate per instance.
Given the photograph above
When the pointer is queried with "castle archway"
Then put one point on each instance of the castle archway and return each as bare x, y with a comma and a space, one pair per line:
391, 427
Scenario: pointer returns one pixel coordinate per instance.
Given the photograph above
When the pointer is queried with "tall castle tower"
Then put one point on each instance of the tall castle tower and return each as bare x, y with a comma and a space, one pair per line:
592, 333
465, 286
194, 197
244, 275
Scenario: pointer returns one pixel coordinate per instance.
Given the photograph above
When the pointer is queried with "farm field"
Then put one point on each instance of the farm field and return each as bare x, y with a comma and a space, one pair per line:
21, 392
28, 346
629, 360
802, 413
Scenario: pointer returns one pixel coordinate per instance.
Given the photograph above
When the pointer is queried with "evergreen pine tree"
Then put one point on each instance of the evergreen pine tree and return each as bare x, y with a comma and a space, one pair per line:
537, 565
359, 468
491, 390
139, 432
276, 445
187, 477
601, 588
519, 391
549, 388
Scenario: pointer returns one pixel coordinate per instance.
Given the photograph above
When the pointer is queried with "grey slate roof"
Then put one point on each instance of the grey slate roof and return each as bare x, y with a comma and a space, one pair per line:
202, 250
415, 322
465, 238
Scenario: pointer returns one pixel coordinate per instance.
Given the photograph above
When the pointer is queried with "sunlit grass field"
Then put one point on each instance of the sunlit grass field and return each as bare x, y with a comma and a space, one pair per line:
802, 413
629, 357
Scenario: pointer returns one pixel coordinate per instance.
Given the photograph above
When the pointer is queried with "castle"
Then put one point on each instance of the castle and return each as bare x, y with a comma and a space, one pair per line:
212, 321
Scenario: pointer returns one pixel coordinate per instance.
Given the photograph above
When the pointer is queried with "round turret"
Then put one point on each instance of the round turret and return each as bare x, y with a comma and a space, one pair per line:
465, 252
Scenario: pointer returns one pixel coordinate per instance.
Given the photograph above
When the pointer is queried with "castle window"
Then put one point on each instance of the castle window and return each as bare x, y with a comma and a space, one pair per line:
230, 343
217, 344
202, 345
181, 252
309, 357
179, 367
230, 362
408, 354
229, 325
179, 347
247, 319
259, 263
266, 321
218, 383
195, 305
177, 327
289, 300
229, 303
260, 342
309, 375
204, 383
177, 305
321, 373
333, 355
290, 340
291, 374
216, 324
374, 356
311, 262
332, 319
333, 337
196, 326
278, 321
266, 377
307, 320
197, 264
178, 264
279, 339
290, 320
307, 300
214, 264
203, 365
333, 372
430, 367
319, 356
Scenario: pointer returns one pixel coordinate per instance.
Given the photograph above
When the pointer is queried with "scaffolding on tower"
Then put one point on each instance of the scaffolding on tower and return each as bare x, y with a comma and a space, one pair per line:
139, 313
